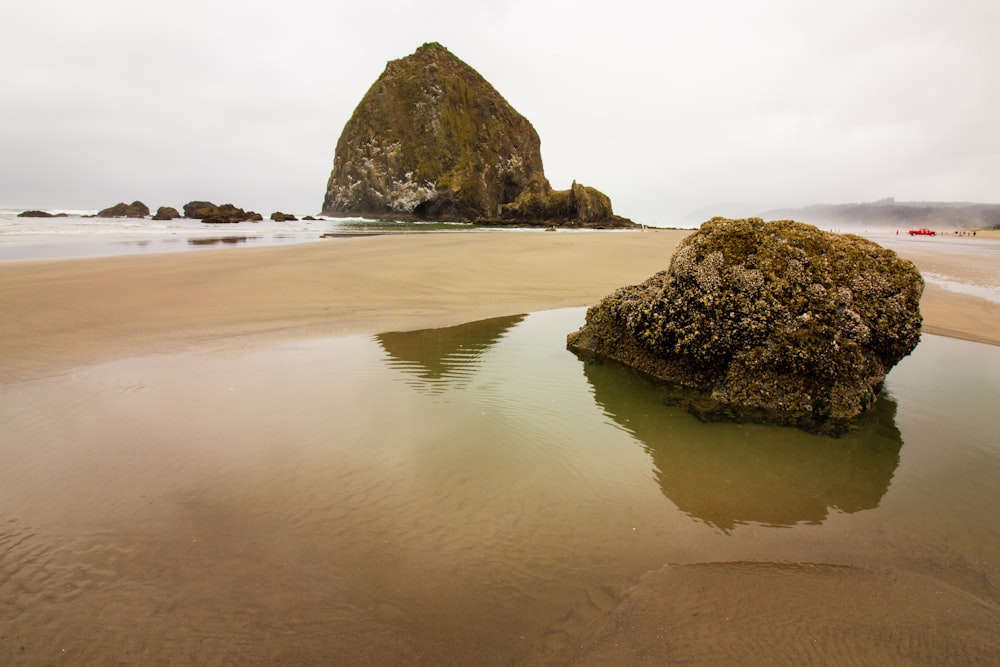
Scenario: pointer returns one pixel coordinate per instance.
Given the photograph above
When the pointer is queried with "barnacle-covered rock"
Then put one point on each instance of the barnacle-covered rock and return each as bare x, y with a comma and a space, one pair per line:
774, 322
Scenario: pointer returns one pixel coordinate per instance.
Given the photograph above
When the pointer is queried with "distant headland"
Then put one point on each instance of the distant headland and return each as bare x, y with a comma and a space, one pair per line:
891, 213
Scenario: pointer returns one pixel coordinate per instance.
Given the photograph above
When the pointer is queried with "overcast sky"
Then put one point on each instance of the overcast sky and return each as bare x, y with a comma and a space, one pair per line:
677, 110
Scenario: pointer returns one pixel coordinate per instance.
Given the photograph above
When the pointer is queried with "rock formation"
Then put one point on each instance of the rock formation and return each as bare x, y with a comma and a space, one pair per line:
209, 213
278, 216
432, 139
166, 213
775, 322
199, 209
40, 214
122, 210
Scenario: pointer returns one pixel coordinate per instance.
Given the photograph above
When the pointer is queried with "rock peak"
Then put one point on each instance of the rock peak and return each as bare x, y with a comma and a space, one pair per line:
432, 139
432, 47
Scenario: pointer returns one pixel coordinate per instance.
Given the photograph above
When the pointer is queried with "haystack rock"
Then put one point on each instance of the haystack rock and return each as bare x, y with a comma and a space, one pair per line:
433, 140
772, 322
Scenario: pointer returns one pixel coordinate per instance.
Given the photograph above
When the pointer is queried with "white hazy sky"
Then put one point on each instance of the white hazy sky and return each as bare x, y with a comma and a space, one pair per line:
677, 110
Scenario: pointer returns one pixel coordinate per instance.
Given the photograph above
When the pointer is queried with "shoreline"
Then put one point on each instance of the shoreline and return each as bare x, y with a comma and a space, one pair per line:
69, 312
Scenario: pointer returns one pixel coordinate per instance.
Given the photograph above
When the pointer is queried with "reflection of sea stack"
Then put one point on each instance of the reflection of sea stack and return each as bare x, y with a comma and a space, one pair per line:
435, 355
432, 139
730, 474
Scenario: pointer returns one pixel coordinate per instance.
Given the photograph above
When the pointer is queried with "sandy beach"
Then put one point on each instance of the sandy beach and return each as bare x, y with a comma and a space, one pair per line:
199, 465
74, 311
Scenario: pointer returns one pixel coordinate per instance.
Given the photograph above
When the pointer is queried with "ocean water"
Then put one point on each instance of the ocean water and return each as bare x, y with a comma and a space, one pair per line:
81, 236
479, 495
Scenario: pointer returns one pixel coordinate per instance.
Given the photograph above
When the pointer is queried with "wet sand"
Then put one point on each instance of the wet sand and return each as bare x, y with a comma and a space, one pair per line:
817, 614
263, 510
73, 311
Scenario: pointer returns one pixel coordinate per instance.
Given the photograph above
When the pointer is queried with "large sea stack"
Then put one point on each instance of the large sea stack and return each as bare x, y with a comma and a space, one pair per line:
433, 140
773, 322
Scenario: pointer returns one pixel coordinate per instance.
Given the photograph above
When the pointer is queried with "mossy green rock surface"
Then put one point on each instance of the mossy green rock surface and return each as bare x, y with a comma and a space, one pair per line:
432, 139
773, 322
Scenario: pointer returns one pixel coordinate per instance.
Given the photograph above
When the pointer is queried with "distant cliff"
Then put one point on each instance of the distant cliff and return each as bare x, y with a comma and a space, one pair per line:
889, 212
432, 139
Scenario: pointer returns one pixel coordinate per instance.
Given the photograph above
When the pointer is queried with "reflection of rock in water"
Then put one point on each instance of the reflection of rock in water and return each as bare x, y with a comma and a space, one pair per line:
228, 240
727, 474
438, 355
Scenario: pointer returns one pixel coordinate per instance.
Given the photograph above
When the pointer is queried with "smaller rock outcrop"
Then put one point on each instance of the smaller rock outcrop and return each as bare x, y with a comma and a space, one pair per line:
580, 206
773, 322
166, 213
209, 213
278, 216
40, 214
122, 210
197, 210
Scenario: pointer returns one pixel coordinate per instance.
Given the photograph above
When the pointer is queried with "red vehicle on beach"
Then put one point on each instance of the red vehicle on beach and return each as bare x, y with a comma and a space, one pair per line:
923, 231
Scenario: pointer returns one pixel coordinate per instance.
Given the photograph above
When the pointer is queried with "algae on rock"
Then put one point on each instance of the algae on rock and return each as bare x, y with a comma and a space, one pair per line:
777, 322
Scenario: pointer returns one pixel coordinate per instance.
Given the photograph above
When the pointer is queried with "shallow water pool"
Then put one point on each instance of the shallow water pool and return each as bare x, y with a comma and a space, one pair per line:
478, 495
